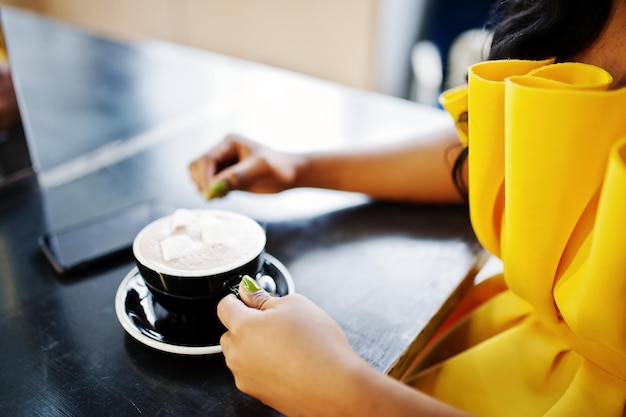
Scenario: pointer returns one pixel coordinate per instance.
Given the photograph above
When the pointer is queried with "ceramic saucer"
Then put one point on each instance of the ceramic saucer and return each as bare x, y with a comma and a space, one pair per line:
150, 323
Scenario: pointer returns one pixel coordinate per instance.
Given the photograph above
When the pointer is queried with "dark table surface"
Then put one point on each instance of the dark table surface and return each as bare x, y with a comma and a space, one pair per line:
117, 122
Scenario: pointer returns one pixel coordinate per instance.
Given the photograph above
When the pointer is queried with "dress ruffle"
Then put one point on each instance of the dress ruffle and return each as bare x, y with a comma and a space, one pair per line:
547, 194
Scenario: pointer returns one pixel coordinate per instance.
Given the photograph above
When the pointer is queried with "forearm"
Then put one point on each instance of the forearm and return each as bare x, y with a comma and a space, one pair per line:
360, 390
419, 170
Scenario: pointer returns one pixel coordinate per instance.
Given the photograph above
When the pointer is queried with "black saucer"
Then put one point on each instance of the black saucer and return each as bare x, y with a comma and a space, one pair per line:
182, 333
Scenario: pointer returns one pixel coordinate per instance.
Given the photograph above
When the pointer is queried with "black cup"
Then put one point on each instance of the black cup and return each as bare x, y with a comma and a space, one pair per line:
199, 290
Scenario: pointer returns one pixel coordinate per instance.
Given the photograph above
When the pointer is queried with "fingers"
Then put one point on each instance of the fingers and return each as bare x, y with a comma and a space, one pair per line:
245, 175
228, 309
235, 314
239, 164
253, 295
210, 171
202, 171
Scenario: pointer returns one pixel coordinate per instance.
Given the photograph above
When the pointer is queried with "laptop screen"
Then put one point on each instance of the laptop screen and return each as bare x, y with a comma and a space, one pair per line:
16, 161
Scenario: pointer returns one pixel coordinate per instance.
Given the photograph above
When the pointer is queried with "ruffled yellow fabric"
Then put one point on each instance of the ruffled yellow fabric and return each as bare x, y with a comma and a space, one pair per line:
547, 181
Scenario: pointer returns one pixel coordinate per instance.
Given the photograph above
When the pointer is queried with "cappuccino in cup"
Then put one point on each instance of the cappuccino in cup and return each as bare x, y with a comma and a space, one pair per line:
196, 256
192, 243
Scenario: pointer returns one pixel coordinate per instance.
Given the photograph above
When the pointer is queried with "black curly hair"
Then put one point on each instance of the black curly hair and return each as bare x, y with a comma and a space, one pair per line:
539, 29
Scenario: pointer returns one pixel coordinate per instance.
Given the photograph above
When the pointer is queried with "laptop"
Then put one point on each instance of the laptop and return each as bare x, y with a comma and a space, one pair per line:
17, 162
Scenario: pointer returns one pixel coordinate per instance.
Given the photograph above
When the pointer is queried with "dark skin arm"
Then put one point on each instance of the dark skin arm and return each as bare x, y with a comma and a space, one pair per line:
417, 170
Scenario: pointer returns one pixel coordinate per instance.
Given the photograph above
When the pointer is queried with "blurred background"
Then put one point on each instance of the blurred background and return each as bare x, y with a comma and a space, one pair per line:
405, 48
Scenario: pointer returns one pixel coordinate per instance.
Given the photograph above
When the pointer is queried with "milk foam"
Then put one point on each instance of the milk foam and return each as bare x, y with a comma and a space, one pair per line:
199, 242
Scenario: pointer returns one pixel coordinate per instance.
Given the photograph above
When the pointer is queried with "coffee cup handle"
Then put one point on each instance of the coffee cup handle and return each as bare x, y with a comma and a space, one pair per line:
232, 286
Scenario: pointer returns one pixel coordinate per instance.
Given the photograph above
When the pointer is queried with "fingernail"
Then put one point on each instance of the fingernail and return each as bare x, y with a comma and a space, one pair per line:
249, 284
218, 190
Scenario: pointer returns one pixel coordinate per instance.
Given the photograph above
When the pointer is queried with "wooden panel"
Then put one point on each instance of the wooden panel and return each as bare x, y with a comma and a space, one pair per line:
327, 38
324, 38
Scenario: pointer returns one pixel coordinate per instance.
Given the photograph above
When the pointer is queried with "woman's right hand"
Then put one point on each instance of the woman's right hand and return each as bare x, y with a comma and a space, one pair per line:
285, 351
291, 355
237, 163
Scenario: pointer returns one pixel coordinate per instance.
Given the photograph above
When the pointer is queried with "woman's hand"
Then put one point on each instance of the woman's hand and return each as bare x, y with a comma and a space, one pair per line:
292, 356
237, 163
286, 351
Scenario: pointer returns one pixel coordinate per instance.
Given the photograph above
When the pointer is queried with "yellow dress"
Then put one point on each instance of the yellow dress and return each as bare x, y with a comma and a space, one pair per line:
547, 181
